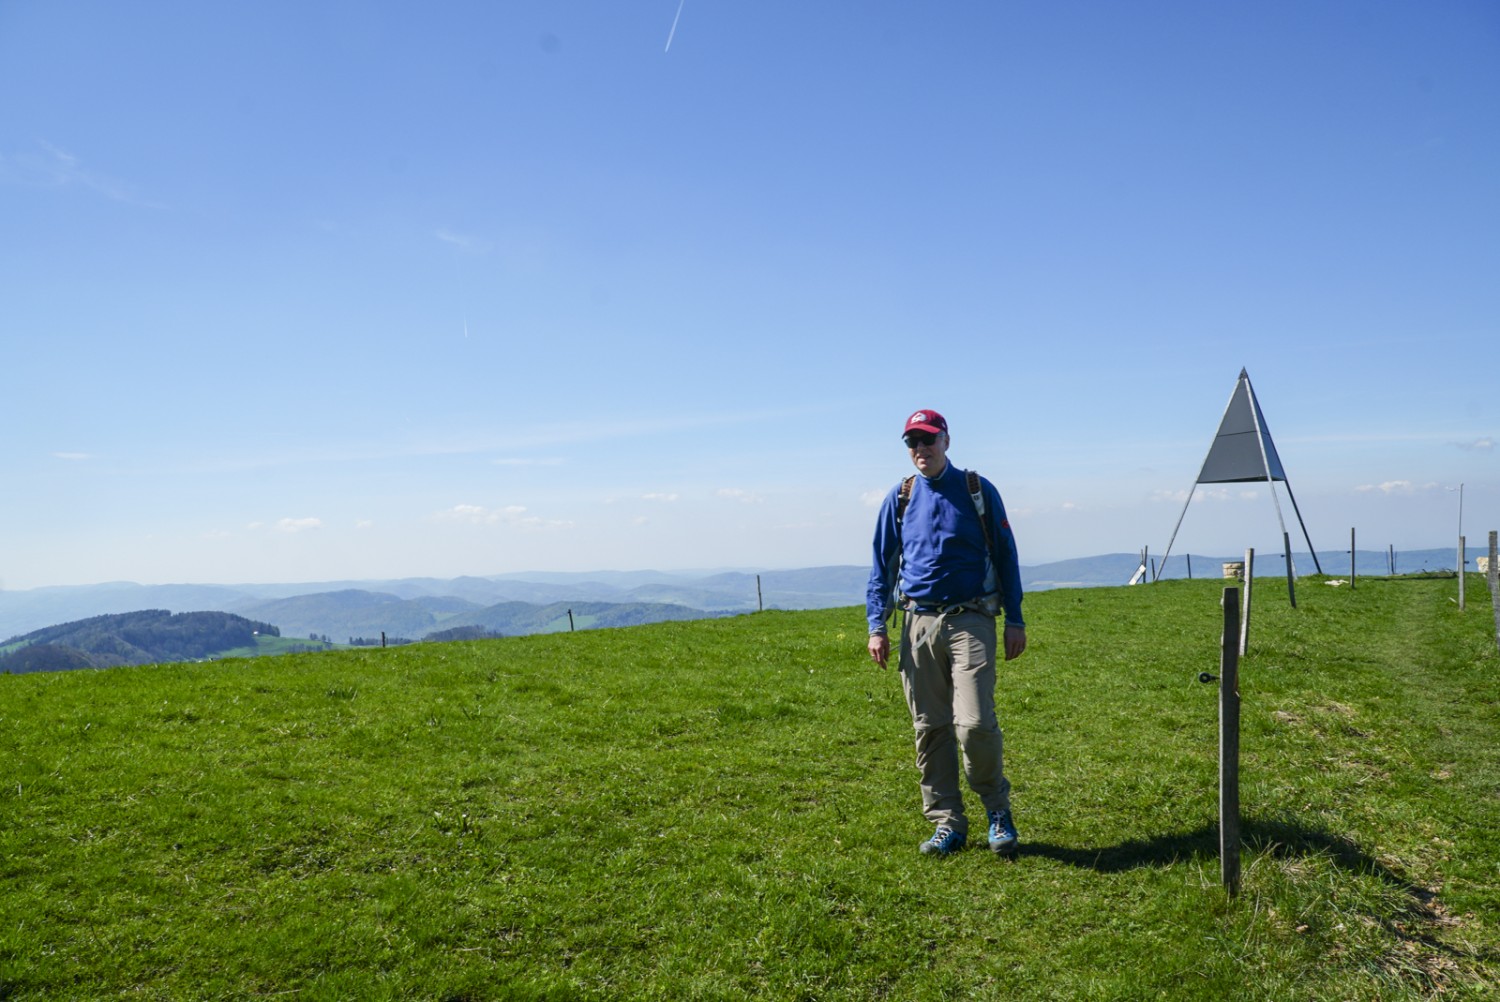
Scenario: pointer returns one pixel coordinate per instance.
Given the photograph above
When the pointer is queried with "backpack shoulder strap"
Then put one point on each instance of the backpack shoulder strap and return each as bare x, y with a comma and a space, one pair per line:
976, 493
904, 497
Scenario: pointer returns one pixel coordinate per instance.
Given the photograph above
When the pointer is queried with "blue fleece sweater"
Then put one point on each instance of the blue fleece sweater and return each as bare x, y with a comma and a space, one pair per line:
938, 550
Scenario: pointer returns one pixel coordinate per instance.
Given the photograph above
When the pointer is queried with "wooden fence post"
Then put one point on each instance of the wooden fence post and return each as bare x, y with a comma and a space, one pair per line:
1494, 580
1229, 745
570, 620
1494, 574
759, 601
1352, 551
1463, 561
1245, 615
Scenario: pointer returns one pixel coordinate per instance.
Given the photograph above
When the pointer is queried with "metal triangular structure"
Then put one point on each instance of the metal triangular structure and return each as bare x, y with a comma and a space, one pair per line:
1242, 452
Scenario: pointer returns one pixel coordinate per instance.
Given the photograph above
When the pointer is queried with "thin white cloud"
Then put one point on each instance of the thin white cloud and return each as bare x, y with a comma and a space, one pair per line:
1364, 438
1396, 487
364, 523
464, 241
53, 167
518, 461
1038, 510
478, 514
72, 457
658, 496
288, 525
473, 514
1201, 493
1485, 444
739, 494
611, 428
470, 443
873, 499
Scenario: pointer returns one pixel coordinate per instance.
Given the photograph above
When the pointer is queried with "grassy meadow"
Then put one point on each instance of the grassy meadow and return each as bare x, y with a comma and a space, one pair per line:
727, 809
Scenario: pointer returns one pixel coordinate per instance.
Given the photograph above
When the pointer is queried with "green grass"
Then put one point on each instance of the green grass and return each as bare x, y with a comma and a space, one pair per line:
727, 808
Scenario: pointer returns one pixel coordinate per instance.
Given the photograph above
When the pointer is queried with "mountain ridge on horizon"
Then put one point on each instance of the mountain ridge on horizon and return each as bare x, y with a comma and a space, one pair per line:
717, 591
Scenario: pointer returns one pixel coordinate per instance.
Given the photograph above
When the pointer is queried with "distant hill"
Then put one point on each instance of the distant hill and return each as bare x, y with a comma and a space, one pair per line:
46, 657
515, 618
418, 607
355, 612
150, 636
24, 611
157, 636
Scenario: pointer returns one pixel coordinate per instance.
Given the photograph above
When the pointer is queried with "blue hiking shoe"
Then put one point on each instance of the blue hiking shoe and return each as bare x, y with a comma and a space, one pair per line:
1003, 837
944, 842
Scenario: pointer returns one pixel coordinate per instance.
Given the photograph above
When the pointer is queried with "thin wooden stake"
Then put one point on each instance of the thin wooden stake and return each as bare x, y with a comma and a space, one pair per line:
570, 620
1494, 567
1494, 580
1463, 561
760, 602
1245, 612
1352, 552
1229, 746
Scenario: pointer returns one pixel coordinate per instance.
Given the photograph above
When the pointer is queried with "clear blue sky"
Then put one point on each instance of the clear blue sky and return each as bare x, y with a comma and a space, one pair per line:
313, 291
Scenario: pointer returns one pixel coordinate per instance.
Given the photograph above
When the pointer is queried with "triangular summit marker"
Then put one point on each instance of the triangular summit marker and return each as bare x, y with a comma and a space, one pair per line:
1242, 452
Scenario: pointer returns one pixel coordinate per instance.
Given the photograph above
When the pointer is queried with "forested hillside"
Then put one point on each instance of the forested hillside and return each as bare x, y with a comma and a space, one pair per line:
132, 638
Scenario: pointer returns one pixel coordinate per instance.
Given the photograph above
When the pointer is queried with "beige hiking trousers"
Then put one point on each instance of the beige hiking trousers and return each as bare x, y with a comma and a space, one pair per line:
948, 673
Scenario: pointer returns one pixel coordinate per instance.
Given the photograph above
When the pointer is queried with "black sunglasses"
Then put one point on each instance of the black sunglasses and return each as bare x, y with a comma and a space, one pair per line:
916, 438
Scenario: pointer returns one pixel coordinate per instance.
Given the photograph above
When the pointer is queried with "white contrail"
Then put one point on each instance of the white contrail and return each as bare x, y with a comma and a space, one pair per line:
674, 25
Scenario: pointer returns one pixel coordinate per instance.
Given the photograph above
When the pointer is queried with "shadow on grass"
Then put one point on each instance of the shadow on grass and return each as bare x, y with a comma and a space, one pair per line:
1280, 838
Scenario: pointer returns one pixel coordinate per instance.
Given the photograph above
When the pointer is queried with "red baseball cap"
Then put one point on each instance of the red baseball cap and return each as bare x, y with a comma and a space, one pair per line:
927, 421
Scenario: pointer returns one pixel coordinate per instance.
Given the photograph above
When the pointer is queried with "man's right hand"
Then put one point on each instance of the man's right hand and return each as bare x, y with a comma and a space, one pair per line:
880, 648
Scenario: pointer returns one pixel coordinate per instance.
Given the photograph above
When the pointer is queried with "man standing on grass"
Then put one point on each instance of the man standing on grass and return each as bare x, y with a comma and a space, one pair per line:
944, 554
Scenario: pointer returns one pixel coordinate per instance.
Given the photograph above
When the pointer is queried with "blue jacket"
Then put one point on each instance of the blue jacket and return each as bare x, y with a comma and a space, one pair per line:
938, 550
